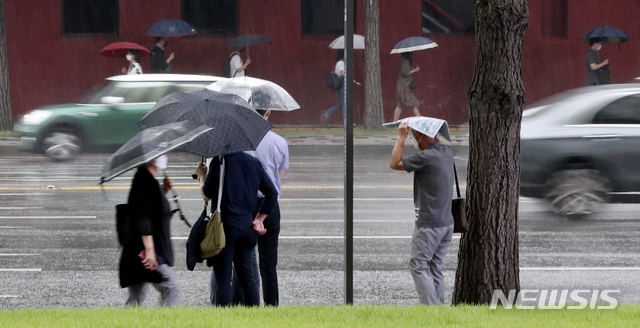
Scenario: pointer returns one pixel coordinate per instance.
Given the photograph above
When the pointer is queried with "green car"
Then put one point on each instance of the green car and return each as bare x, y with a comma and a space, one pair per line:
105, 118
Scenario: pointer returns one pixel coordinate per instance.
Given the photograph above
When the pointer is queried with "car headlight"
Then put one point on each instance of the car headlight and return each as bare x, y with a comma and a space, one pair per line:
36, 117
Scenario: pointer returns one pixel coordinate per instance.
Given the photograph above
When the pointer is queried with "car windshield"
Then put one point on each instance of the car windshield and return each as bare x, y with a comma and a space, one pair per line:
546, 104
138, 92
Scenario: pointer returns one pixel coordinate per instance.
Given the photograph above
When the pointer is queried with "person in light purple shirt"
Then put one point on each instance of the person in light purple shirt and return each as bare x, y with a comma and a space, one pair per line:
273, 153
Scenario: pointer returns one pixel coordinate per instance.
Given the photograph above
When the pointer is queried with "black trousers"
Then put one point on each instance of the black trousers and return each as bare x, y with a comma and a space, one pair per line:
268, 256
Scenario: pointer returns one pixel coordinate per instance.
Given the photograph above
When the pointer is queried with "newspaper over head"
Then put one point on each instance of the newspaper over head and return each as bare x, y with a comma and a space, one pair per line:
428, 126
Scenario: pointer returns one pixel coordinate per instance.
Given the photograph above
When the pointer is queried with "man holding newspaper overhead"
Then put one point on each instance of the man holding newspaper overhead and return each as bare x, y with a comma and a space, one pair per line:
432, 194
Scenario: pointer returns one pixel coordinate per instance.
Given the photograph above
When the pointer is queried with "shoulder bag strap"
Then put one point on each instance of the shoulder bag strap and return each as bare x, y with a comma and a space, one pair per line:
221, 183
455, 173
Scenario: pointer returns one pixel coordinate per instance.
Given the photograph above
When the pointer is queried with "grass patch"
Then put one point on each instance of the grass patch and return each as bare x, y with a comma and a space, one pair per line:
342, 316
6, 133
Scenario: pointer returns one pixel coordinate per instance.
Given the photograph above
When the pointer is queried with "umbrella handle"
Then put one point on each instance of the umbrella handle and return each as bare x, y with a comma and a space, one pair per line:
177, 202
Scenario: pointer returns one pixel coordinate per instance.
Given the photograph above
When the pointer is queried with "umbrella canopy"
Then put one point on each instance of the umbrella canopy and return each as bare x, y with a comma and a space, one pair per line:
412, 44
261, 94
606, 34
338, 43
149, 144
237, 126
428, 126
120, 49
246, 40
171, 27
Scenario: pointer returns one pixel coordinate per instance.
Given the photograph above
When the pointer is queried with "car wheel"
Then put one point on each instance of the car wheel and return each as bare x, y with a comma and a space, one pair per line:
61, 144
577, 193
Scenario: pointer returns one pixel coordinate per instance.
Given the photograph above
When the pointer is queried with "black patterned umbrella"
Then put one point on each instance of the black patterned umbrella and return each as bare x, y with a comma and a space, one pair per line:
236, 125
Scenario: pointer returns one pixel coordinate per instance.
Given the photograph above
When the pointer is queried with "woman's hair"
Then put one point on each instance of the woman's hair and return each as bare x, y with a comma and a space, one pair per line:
339, 55
136, 54
408, 55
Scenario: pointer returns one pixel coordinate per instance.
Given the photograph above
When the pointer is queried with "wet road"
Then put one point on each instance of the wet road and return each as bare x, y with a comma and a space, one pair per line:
58, 247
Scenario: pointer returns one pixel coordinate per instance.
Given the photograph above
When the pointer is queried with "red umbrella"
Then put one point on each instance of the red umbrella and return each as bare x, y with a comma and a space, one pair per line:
120, 49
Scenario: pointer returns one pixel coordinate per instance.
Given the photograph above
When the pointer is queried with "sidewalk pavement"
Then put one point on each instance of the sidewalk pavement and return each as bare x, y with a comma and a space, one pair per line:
309, 135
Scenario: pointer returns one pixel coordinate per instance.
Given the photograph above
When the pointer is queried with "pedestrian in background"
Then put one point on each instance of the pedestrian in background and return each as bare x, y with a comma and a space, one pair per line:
133, 56
159, 61
432, 195
593, 62
238, 66
148, 238
244, 176
338, 69
404, 95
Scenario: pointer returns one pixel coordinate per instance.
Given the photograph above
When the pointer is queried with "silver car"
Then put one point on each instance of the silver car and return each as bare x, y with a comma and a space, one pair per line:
581, 148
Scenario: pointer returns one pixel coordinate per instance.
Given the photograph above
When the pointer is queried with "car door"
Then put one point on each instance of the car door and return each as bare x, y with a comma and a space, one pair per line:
615, 134
118, 121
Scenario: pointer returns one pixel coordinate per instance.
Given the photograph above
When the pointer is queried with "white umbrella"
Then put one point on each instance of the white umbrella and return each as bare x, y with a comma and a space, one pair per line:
259, 93
428, 126
412, 44
358, 42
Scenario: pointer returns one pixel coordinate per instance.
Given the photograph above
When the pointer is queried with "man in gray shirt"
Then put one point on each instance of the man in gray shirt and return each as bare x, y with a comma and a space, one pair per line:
432, 194
593, 63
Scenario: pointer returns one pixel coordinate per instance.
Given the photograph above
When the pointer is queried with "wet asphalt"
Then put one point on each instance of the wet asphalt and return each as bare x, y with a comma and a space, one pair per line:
58, 245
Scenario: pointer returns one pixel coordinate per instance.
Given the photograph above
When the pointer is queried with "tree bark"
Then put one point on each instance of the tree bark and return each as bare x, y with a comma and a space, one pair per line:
373, 110
6, 116
488, 258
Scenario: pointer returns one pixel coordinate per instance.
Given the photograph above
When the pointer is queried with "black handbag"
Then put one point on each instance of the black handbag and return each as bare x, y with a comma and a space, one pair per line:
458, 205
412, 85
334, 81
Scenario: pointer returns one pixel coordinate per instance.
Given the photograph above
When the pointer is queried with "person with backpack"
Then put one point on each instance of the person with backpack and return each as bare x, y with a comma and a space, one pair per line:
236, 66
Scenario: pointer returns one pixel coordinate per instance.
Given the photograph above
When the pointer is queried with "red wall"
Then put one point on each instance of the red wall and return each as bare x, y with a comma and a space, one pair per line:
46, 67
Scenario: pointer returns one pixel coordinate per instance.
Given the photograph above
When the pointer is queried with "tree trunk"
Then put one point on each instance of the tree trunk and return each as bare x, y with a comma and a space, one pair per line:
6, 117
373, 111
488, 258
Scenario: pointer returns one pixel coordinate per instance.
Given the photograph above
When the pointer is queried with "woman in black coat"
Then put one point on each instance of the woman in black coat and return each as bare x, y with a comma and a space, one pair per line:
147, 254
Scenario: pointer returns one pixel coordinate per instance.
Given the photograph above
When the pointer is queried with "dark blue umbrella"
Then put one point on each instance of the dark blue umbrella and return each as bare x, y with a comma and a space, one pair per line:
246, 40
236, 125
606, 34
171, 27
412, 44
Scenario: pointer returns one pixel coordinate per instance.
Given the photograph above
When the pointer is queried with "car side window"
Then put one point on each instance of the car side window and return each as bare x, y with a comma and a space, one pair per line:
625, 110
190, 86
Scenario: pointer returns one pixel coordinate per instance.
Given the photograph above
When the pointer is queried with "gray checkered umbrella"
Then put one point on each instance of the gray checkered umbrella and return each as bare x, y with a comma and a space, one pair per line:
236, 125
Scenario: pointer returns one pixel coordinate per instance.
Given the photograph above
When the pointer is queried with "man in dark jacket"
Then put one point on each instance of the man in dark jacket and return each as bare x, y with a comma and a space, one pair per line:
159, 61
243, 177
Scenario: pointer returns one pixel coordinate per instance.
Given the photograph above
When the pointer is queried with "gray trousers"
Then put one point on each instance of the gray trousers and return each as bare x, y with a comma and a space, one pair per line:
428, 249
168, 289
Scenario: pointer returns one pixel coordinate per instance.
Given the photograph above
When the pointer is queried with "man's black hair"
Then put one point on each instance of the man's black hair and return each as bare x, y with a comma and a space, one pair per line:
593, 41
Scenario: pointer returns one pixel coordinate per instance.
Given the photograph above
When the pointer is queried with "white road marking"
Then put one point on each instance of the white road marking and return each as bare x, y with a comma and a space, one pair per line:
9, 296
581, 269
18, 208
20, 270
9, 254
14, 227
48, 217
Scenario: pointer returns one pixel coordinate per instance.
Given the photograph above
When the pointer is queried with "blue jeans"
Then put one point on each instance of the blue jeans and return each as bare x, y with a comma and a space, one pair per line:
241, 242
339, 107
268, 248
237, 296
